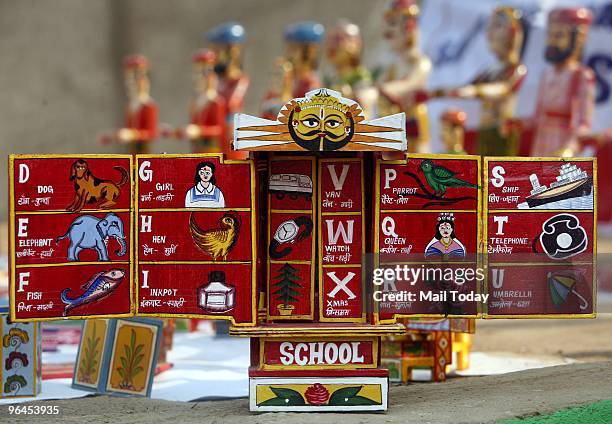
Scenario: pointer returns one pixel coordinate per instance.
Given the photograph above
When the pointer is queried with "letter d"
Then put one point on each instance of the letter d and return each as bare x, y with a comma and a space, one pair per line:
24, 173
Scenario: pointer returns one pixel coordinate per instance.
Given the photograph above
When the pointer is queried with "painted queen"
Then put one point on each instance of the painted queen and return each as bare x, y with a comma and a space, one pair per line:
445, 244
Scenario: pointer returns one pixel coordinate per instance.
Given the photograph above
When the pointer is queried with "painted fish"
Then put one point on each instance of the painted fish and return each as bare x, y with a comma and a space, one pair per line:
98, 287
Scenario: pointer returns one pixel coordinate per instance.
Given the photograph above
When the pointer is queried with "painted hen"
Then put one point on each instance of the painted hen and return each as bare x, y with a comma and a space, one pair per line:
217, 242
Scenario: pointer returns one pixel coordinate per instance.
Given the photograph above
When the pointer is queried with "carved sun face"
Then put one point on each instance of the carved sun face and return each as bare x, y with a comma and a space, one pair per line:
321, 128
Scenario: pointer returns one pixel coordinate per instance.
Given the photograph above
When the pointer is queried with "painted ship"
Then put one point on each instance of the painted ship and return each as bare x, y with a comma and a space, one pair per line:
572, 182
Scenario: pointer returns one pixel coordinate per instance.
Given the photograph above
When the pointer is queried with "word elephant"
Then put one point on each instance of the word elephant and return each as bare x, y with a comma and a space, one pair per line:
90, 232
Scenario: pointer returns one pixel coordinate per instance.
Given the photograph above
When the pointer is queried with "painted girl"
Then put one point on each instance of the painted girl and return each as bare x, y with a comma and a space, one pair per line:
204, 194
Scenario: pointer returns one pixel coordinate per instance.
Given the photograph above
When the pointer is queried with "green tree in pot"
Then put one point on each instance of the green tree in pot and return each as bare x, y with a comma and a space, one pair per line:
286, 287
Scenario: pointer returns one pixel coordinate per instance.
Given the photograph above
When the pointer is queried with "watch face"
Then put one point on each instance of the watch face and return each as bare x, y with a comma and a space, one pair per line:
286, 232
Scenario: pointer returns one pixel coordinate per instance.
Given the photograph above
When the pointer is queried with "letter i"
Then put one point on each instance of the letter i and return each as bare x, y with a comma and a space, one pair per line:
145, 279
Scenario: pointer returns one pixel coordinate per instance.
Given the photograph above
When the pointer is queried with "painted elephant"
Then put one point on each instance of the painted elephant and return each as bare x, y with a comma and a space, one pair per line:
90, 232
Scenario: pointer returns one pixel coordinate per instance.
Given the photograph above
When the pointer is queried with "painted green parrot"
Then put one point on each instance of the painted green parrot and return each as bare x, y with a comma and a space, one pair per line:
439, 178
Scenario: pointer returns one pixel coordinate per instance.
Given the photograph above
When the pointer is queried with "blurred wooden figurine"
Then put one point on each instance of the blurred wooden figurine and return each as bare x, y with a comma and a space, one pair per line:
566, 96
226, 42
280, 90
452, 130
344, 51
408, 75
207, 110
141, 126
303, 41
497, 87
166, 342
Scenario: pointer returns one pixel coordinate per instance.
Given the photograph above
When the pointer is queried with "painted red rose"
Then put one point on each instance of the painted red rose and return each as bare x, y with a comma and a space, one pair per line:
316, 394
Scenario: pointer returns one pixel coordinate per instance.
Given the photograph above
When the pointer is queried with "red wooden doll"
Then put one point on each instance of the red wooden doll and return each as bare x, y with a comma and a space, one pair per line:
207, 109
566, 96
303, 41
226, 42
141, 115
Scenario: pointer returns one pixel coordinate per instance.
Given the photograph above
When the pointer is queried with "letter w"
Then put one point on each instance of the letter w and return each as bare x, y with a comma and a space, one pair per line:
347, 234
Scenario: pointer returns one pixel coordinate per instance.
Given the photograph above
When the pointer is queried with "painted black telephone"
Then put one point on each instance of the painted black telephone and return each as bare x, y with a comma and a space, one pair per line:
563, 237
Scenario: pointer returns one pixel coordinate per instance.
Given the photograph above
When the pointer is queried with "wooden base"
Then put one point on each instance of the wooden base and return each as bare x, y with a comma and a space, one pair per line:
318, 394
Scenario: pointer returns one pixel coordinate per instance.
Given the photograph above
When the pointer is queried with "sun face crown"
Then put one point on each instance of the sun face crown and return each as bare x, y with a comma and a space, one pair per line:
323, 99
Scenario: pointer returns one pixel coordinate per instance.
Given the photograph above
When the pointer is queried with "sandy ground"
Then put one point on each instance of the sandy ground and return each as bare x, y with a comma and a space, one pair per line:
459, 400
465, 400
582, 340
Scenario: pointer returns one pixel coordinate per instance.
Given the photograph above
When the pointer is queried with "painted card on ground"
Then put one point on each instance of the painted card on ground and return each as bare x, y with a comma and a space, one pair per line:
196, 236
427, 218
70, 236
341, 240
291, 193
540, 236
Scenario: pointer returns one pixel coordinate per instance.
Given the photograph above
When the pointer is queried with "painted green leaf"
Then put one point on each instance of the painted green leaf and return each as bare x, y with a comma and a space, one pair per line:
14, 383
275, 402
348, 396
138, 349
138, 359
353, 401
345, 392
295, 398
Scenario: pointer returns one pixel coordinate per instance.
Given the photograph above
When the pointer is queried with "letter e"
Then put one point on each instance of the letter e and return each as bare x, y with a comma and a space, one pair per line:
22, 225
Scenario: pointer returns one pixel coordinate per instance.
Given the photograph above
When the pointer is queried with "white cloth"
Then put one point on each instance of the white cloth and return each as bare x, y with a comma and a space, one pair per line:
199, 196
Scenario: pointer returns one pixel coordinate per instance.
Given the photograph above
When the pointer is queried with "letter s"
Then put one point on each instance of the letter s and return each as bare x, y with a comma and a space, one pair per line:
497, 172
286, 356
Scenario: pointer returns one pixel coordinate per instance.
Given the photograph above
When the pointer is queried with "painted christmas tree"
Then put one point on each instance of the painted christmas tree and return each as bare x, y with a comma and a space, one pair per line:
286, 288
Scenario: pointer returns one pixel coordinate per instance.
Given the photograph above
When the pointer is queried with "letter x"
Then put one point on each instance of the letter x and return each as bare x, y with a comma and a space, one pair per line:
341, 284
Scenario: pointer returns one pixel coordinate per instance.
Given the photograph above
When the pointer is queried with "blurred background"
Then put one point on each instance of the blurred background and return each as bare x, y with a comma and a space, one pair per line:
60, 66
61, 85
60, 61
